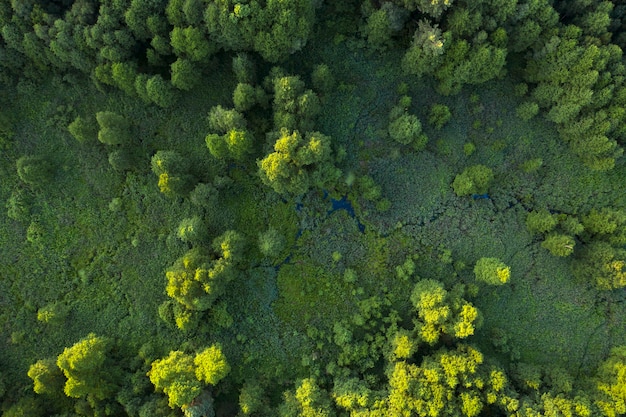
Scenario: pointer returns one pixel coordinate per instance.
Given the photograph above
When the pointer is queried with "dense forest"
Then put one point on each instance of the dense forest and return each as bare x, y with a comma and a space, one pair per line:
315, 208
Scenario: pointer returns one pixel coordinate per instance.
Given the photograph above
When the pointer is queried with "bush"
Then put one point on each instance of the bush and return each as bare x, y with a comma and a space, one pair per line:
271, 243
527, 110
378, 30
244, 97
473, 180
160, 91
541, 221
192, 230
121, 160
405, 129
439, 115
492, 271
559, 245
114, 128
82, 130
185, 74
33, 170
204, 195
244, 68
323, 79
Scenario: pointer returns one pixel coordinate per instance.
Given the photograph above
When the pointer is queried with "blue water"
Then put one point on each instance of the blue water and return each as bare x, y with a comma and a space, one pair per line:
345, 204
480, 196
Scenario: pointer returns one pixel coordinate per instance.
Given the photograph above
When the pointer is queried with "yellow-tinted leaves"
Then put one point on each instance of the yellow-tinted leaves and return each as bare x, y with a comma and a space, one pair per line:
174, 375
211, 365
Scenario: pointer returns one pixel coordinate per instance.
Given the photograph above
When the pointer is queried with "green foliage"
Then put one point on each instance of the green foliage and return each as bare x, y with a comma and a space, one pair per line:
611, 383
252, 398
559, 245
223, 120
160, 91
172, 170
83, 130
53, 313
263, 28
33, 170
541, 221
185, 74
294, 107
18, 205
47, 377
309, 400
192, 230
211, 365
114, 128
602, 264
175, 376
441, 377
231, 246
442, 312
25, 407
244, 68
377, 30
204, 195
298, 163
244, 97
323, 79
405, 129
271, 243
191, 43
439, 115
531, 165
124, 75
527, 110
235, 144
121, 160
473, 180
492, 271
87, 369
426, 52
607, 223
196, 282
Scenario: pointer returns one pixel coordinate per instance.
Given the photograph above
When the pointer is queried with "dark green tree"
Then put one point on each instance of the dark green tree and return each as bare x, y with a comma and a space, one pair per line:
473, 180
114, 128
34, 170
439, 115
185, 74
559, 244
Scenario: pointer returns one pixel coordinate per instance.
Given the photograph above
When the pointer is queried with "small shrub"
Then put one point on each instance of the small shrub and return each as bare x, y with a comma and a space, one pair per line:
439, 115
492, 271
527, 110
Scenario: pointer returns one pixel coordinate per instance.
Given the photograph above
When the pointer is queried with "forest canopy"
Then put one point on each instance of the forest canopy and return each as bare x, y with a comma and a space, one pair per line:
307, 208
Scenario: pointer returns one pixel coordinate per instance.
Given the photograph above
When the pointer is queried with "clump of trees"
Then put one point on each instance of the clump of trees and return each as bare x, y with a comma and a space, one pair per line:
441, 312
558, 230
200, 277
34, 170
183, 377
406, 128
492, 271
173, 172
232, 139
473, 180
299, 162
